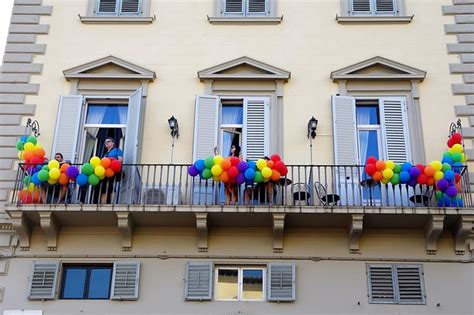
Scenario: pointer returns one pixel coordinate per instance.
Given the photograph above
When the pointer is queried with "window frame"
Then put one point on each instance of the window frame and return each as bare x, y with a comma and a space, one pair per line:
118, 10
88, 268
245, 10
373, 9
240, 270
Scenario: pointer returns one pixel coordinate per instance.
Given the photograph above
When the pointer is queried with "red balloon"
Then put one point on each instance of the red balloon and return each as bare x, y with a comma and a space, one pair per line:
421, 167
422, 179
275, 158
35, 160
232, 180
284, 171
456, 138
457, 178
233, 171
234, 161
279, 166
116, 166
450, 143
370, 169
371, 160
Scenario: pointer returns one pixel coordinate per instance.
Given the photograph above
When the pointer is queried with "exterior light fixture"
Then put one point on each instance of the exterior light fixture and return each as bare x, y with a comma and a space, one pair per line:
173, 123
312, 126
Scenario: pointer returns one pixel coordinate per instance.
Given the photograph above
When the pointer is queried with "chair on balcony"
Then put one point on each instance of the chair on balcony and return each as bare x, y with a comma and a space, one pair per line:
154, 197
301, 192
325, 199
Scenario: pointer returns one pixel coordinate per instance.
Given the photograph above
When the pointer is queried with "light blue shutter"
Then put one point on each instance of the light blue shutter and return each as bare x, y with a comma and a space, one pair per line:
66, 135
107, 6
205, 126
125, 280
43, 281
233, 7
256, 124
281, 284
257, 7
344, 129
198, 281
395, 129
360, 6
134, 128
385, 6
131, 7
382, 284
411, 289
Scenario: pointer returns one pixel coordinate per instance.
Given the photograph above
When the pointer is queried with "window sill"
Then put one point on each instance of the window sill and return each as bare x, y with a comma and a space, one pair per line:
117, 19
244, 20
374, 19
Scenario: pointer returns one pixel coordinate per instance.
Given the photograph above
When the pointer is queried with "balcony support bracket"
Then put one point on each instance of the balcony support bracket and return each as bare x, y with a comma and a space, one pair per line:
125, 226
22, 226
462, 233
355, 232
50, 228
434, 228
278, 228
202, 227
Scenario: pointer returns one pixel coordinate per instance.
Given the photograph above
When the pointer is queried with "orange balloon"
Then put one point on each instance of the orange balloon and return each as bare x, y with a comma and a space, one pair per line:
27, 155
431, 181
377, 176
225, 176
105, 162
63, 179
226, 164
64, 167
380, 165
109, 172
270, 164
275, 175
39, 152
429, 171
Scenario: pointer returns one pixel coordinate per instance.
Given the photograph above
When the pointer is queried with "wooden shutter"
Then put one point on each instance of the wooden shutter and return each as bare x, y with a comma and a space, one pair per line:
130, 7
206, 115
134, 128
43, 281
257, 6
344, 129
234, 6
281, 282
256, 124
381, 284
360, 6
198, 281
125, 280
66, 134
384, 6
411, 288
395, 129
107, 6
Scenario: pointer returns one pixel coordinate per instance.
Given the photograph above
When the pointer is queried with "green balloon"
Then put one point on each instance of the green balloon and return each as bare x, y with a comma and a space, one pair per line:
457, 157
209, 162
397, 169
438, 195
206, 173
45, 168
87, 169
32, 140
258, 177
93, 180
27, 180
43, 175
395, 180
446, 167
19, 145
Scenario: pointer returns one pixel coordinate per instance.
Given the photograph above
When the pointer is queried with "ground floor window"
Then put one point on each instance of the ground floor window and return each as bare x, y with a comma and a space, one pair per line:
240, 283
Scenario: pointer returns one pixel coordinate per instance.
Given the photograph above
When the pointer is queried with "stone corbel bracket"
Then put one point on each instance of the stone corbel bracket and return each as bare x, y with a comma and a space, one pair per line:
22, 226
278, 228
125, 225
355, 232
50, 228
434, 228
202, 227
462, 232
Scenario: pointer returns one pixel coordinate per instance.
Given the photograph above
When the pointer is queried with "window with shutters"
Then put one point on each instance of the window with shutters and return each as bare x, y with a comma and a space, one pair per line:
240, 283
373, 7
245, 7
86, 282
118, 7
395, 284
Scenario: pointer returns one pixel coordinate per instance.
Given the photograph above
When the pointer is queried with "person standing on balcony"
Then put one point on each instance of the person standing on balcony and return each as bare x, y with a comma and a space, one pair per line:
107, 184
231, 189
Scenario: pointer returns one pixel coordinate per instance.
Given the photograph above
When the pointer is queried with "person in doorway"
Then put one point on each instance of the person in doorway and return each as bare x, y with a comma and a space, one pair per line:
108, 183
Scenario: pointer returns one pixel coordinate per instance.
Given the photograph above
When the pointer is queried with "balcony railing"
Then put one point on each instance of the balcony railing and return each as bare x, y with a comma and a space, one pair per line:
170, 184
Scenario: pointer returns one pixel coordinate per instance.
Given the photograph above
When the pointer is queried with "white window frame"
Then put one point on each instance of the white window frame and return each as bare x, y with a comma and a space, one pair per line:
377, 128
118, 9
373, 9
245, 10
229, 127
240, 274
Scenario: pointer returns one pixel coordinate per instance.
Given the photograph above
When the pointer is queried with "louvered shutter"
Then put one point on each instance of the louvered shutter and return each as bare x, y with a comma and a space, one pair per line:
134, 128
43, 281
198, 281
257, 7
395, 129
410, 284
66, 135
205, 126
281, 282
130, 7
125, 280
107, 6
344, 129
360, 6
256, 125
384, 6
233, 6
381, 284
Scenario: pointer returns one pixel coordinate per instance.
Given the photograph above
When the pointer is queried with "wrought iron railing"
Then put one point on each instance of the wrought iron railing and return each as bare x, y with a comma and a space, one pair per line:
170, 184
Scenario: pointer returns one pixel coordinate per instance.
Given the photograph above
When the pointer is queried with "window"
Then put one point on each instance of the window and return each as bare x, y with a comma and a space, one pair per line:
245, 7
232, 120
86, 282
118, 7
373, 7
395, 284
240, 284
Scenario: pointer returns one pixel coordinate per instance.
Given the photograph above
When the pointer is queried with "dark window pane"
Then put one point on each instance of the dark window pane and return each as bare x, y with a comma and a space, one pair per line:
99, 283
74, 282
367, 115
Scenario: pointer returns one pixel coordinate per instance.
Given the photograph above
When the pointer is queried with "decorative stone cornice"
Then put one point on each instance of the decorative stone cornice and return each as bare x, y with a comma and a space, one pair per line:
355, 232
23, 227
433, 230
202, 227
278, 228
125, 225
462, 232
51, 229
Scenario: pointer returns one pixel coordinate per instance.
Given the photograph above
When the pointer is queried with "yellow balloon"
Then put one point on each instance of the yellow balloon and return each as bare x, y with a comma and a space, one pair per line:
31, 187
54, 173
457, 148
53, 164
266, 172
261, 163
387, 173
95, 161
216, 170
99, 171
39, 146
216, 178
438, 175
218, 159
102, 177
464, 158
389, 165
52, 181
385, 180
20, 155
437, 165
29, 146
264, 179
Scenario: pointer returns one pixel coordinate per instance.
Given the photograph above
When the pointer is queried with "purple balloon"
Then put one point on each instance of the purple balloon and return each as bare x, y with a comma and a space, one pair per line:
242, 166
443, 184
192, 171
451, 191
240, 179
412, 182
414, 172
72, 172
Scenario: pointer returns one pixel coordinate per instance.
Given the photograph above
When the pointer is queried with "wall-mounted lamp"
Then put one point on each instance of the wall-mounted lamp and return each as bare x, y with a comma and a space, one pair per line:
312, 126
173, 123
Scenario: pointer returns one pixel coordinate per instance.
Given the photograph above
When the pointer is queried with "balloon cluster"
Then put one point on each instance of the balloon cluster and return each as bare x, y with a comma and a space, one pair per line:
233, 170
444, 174
96, 170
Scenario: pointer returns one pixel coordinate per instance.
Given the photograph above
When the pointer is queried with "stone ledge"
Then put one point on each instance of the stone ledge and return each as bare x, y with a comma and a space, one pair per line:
374, 19
244, 20
117, 20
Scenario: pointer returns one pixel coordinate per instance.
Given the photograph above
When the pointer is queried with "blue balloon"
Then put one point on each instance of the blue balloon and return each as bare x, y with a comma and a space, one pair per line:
251, 165
249, 174
404, 177
457, 167
82, 179
406, 167
449, 175
199, 165
446, 200
460, 202
24, 138
36, 181
447, 159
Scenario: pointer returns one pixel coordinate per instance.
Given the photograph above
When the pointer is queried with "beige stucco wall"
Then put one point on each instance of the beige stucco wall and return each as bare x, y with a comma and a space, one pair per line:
309, 43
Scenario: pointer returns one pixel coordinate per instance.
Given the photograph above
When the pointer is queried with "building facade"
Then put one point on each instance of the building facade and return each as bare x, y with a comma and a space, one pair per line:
382, 77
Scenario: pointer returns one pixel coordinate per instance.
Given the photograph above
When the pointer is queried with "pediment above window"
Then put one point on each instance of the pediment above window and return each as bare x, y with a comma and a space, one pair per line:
378, 68
244, 68
109, 68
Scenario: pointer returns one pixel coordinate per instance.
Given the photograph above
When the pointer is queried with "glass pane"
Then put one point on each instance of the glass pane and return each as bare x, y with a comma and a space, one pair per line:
229, 139
227, 284
99, 283
74, 282
232, 114
367, 115
106, 114
252, 284
369, 146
